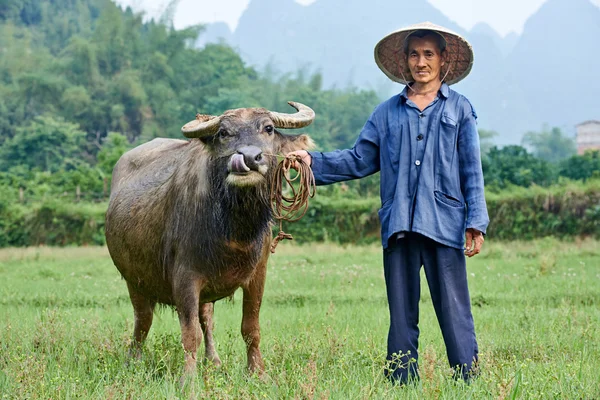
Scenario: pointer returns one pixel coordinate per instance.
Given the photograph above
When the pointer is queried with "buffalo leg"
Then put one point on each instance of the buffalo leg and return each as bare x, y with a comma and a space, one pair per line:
206, 321
143, 311
253, 293
187, 297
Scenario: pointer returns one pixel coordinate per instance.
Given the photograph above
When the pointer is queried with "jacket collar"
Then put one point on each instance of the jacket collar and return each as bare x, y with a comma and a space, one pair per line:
444, 92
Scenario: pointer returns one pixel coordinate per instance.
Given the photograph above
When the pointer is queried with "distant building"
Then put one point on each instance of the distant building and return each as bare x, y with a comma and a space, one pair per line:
588, 136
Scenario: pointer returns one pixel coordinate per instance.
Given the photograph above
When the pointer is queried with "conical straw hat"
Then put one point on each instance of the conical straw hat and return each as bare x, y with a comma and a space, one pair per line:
390, 57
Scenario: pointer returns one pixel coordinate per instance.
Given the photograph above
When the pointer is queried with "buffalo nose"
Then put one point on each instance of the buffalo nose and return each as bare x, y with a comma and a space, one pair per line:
253, 157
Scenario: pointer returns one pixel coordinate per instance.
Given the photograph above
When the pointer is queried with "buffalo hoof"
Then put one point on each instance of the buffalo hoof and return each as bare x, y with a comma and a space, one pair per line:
187, 379
214, 361
257, 369
134, 354
260, 374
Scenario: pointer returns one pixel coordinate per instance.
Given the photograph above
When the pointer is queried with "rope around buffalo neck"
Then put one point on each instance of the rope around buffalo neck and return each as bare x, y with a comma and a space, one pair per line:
290, 208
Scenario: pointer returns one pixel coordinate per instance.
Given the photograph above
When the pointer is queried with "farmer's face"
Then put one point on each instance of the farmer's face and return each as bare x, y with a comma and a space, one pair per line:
425, 59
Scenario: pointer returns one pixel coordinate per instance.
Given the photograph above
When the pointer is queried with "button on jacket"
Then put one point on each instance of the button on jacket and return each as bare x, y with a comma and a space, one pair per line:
431, 179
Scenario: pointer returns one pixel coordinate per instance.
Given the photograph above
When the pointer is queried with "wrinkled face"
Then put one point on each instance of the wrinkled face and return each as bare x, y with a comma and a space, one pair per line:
425, 59
246, 146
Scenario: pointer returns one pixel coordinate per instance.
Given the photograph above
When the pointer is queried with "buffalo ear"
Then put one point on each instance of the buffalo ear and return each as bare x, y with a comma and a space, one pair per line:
290, 143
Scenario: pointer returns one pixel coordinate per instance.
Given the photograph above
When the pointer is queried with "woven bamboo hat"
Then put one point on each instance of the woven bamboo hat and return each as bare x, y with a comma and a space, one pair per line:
390, 57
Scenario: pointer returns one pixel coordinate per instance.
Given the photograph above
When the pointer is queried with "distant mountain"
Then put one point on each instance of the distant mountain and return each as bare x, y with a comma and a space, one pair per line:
556, 62
517, 83
339, 38
505, 44
335, 37
215, 33
508, 43
497, 100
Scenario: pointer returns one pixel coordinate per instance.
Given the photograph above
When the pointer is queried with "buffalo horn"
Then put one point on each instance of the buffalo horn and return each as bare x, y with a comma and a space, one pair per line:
203, 125
302, 118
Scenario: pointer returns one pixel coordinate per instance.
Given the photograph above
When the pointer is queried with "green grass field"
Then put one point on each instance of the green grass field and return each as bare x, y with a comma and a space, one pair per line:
66, 322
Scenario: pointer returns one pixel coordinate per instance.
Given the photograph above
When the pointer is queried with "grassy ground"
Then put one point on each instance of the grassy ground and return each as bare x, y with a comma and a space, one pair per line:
66, 321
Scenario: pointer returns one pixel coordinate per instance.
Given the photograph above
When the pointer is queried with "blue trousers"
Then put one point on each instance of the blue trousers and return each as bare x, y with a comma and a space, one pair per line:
445, 269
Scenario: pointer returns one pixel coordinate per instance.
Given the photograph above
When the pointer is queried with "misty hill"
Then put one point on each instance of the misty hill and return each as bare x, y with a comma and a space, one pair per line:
515, 81
555, 62
335, 37
215, 33
505, 44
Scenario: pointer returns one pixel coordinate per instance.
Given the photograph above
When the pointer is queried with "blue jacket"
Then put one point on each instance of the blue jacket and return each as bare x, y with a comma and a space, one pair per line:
431, 179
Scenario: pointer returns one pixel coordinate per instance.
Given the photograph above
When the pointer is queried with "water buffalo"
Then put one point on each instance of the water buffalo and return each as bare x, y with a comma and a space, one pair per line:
189, 222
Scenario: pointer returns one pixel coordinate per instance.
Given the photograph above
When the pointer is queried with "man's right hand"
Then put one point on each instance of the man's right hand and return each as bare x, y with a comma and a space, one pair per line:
474, 242
303, 154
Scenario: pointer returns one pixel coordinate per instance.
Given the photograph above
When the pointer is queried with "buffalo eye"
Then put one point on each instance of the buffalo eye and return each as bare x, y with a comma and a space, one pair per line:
222, 133
269, 129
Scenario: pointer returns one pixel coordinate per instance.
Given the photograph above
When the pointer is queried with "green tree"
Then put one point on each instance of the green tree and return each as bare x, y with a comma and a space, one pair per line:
514, 165
127, 91
81, 62
112, 149
47, 144
116, 39
550, 145
9, 9
581, 167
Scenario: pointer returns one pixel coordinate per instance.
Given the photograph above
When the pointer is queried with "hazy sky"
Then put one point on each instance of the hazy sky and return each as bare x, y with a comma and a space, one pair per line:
502, 15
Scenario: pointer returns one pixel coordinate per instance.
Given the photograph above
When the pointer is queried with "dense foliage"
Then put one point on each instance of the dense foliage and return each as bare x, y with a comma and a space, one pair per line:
550, 144
564, 210
82, 81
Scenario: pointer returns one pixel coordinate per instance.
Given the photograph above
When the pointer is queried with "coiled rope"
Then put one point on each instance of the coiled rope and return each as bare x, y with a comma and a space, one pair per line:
290, 208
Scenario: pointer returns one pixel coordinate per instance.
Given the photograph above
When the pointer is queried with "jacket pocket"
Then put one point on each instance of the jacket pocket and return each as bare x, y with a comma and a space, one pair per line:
384, 219
447, 142
448, 122
447, 199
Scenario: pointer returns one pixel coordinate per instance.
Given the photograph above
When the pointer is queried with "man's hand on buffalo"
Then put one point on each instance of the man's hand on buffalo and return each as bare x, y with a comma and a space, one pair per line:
304, 156
474, 242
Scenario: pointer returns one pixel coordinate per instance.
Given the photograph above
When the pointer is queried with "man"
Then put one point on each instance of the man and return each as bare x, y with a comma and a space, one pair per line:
425, 144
